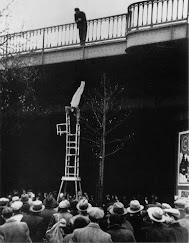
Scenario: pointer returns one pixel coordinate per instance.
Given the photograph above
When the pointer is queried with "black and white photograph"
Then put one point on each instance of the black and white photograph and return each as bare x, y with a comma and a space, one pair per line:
94, 121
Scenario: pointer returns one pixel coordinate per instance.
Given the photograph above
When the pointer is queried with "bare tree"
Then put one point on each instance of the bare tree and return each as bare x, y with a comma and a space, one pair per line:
105, 113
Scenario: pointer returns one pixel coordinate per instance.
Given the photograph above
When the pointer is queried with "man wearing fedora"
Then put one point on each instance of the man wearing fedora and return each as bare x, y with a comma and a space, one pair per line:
118, 208
35, 222
135, 217
180, 233
63, 212
117, 232
92, 232
82, 207
12, 230
158, 231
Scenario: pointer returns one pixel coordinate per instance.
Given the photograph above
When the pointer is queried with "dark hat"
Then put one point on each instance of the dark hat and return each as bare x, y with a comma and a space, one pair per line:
76, 9
37, 206
24, 198
7, 212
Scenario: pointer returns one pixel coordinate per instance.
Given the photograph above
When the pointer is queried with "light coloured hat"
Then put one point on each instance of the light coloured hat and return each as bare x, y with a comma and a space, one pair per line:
16, 205
95, 212
180, 202
15, 198
135, 207
83, 205
64, 204
165, 206
156, 214
118, 208
3, 201
37, 206
173, 212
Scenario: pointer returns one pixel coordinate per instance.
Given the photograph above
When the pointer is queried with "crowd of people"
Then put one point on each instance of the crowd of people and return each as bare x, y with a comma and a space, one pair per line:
26, 217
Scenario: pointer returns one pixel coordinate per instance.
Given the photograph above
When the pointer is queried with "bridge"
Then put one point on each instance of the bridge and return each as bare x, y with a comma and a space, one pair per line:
144, 23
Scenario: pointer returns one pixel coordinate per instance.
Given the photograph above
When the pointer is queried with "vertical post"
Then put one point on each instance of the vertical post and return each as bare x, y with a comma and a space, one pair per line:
43, 47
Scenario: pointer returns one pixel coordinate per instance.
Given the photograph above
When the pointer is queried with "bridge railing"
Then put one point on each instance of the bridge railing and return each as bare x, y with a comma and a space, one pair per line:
146, 14
156, 12
107, 28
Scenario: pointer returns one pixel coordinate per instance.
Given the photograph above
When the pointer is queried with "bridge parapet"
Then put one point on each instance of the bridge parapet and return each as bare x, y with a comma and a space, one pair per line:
141, 16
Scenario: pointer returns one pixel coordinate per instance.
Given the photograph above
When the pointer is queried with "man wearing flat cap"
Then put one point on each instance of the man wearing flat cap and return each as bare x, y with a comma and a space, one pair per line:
92, 232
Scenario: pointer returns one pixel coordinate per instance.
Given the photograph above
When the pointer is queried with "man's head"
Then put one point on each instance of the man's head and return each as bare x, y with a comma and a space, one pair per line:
76, 10
7, 213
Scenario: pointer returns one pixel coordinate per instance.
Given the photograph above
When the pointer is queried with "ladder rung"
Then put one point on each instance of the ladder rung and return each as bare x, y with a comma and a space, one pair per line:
72, 154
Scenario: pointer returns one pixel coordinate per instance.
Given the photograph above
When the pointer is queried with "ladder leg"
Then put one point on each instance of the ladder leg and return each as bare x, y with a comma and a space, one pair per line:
76, 192
60, 190
80, 187
65, 188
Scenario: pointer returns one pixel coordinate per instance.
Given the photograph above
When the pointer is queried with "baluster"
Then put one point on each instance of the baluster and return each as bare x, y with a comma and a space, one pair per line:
152, 13
172, 10
100, 34
92, 29
177, 9
162, 11
138, 5
157, 12
108, 27
65, 34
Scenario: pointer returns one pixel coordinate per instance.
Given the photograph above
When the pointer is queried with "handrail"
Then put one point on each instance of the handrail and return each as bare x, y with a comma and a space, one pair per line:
146, 14
105, 28
156, 12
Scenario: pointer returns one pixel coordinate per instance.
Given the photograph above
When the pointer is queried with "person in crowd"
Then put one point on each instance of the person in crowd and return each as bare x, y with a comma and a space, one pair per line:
3, 203
180, 205
12, 230
17, 207
48, 211
117, 232
158, 230
73, 207
185, 221
35, 222
63, 212
92, 232
118, 208
180, 233
79, 222
80, 19
135, 218
82, 207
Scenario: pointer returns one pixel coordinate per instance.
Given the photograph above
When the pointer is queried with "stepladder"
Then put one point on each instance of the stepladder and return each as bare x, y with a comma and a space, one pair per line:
71, 128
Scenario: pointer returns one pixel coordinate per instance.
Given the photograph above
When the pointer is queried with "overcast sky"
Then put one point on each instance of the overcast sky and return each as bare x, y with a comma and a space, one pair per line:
32, 14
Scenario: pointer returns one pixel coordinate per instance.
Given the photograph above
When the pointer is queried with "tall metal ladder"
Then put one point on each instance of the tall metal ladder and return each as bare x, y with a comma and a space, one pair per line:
72, 130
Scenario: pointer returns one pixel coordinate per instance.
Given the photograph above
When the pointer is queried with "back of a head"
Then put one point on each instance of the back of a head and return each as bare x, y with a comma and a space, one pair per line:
115, 219
7, 212
187, 208
79, 222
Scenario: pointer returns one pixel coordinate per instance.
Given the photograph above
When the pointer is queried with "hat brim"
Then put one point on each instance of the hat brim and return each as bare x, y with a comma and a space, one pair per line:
37, 211
150, 211
129, 210
124, 211
81, 210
